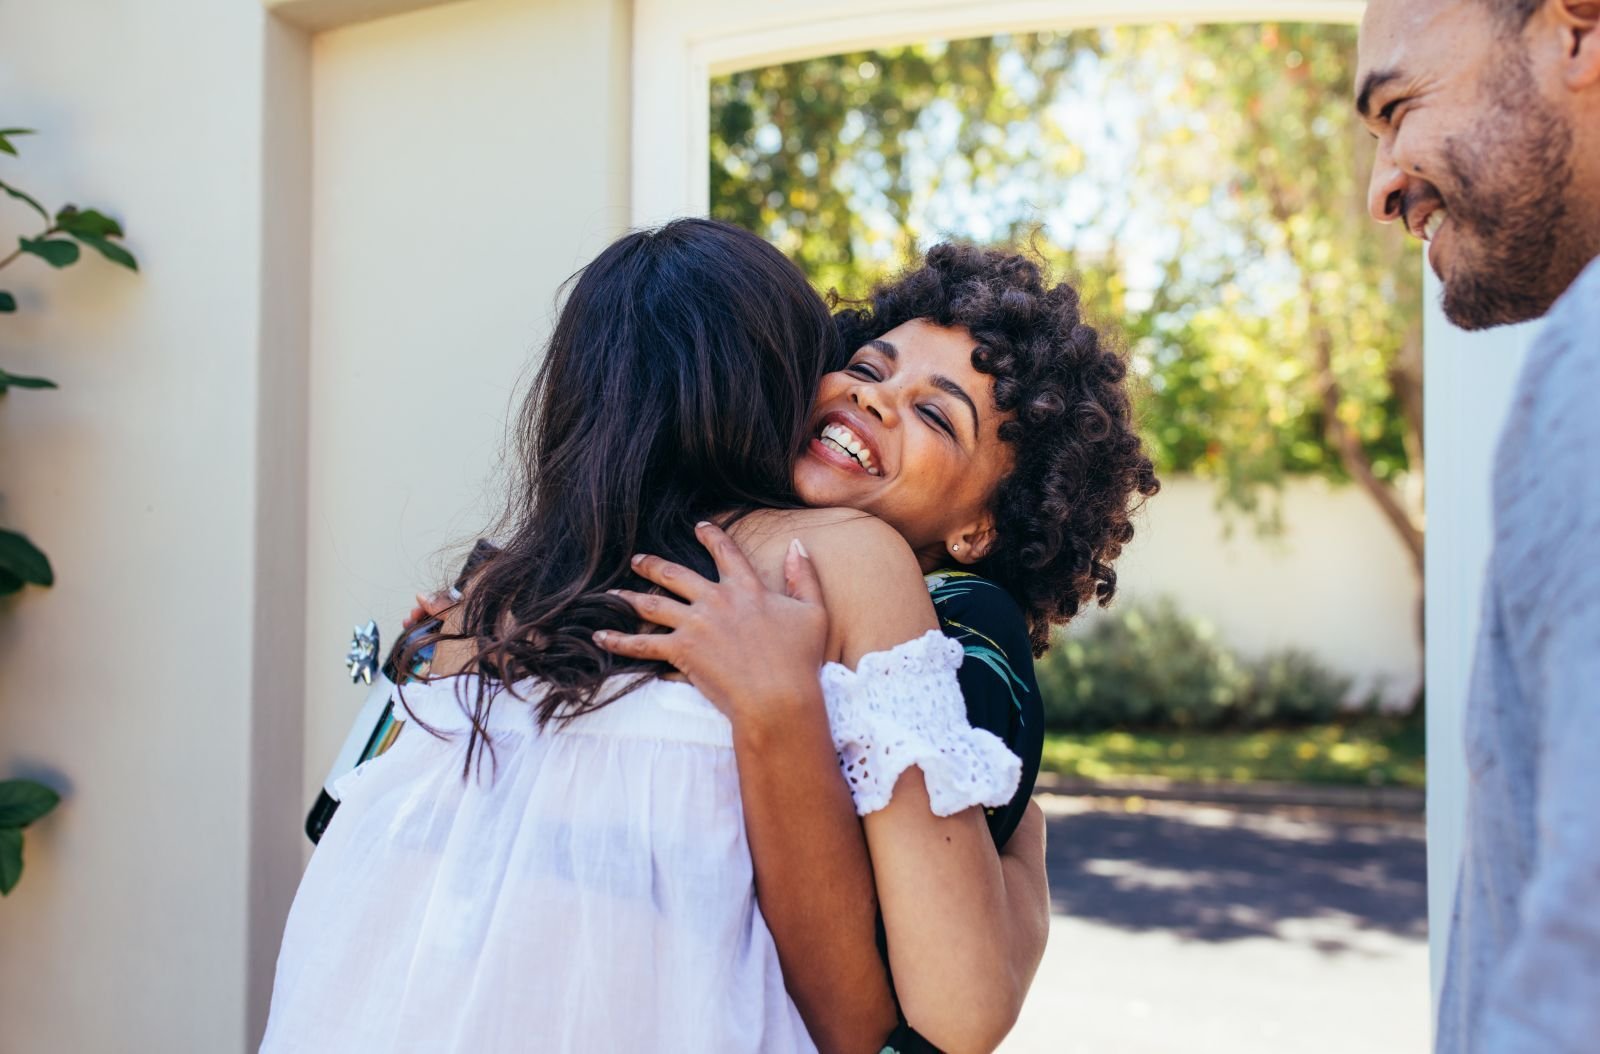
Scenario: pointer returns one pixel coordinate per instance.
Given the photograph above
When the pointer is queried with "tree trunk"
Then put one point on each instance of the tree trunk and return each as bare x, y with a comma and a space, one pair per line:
1353, 456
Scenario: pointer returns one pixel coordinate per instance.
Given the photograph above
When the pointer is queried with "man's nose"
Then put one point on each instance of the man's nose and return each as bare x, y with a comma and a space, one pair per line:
1387, 189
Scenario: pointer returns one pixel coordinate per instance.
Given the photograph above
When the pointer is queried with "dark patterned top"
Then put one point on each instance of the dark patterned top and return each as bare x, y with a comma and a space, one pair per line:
996, 676
1002, 696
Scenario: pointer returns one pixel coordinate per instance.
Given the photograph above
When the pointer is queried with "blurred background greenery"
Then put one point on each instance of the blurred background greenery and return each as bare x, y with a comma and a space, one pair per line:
1201, 184
1204, 186
1149, 690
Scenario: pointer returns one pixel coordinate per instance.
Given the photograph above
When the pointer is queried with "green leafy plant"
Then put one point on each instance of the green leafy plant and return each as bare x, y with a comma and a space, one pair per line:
21, 562
1292, 687
59, 244
21, 803
1153, 667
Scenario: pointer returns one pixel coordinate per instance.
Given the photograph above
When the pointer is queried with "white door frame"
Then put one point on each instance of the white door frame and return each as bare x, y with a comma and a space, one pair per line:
679, 45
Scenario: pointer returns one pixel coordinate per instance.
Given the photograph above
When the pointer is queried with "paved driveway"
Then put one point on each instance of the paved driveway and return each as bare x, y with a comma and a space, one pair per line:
1189, 929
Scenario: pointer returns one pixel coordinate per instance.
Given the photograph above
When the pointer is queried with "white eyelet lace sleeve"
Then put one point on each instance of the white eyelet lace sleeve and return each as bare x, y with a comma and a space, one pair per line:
903, 707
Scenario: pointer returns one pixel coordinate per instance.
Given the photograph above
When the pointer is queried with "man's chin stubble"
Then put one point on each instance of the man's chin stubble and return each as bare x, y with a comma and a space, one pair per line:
1478, 302
1512, 209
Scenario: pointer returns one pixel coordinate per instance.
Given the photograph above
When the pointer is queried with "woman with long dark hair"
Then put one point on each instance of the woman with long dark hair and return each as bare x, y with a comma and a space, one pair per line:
562, 863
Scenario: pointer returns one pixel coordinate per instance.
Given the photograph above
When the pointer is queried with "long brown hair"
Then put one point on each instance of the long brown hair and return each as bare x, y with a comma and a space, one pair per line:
676, 386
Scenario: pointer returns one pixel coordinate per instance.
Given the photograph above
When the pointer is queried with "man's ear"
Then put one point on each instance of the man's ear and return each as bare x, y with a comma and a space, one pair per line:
973, 542
1578, 21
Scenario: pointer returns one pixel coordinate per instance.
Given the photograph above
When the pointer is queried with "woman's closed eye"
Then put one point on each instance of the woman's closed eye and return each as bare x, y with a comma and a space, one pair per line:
931, 414
937, 419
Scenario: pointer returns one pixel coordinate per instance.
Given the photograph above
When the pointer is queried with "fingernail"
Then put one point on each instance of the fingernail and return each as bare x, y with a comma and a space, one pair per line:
702, 523
614, 592
799, 550
600, 636
638, 558
455, 594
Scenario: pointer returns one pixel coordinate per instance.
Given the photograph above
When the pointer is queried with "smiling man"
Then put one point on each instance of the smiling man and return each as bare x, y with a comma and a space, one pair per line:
1487, 115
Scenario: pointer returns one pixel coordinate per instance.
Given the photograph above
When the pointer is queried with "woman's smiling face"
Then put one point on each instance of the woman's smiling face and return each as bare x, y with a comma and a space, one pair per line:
908, 432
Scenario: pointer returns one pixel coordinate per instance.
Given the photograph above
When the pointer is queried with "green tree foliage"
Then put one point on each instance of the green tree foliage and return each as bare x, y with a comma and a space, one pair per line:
1204, 185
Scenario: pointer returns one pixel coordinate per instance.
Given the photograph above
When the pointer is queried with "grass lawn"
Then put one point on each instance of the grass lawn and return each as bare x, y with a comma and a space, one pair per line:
1372, 752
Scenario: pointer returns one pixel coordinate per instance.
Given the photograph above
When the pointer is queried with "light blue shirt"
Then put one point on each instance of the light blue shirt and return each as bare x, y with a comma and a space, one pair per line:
1523, 973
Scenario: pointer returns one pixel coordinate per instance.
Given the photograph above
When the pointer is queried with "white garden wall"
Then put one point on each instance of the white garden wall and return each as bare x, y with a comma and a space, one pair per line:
1336, 583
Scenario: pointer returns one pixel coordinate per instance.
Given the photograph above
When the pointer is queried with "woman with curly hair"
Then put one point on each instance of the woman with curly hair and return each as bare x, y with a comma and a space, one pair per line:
976, 413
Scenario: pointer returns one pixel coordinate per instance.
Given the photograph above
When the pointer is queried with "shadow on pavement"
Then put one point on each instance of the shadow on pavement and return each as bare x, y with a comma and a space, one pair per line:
1212, 874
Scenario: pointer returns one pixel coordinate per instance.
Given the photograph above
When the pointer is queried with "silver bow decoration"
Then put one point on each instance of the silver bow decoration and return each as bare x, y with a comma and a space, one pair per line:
362, 658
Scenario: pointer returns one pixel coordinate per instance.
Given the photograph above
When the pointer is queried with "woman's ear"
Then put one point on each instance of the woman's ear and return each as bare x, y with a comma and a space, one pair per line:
972, 544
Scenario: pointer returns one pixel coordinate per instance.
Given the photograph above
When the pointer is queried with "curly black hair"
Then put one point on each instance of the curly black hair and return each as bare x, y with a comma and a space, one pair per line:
1065, 511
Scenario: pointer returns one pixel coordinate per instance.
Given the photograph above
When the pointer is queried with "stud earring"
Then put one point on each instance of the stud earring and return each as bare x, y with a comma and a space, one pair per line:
955, 546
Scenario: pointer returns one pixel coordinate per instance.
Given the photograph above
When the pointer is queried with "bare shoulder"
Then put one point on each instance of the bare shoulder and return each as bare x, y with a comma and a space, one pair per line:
840, 541
871, 583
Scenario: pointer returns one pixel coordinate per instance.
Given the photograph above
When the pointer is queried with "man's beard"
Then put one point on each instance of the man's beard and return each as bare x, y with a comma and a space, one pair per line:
1515, 249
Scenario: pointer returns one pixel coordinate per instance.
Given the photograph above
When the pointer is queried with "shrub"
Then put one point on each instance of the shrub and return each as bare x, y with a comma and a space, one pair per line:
1293, 687
1151, 666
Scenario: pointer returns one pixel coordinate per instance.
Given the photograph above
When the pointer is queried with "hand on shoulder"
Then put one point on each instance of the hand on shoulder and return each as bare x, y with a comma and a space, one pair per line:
749, 648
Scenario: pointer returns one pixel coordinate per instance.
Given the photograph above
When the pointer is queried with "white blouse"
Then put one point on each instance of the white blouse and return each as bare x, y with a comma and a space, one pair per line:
589, 888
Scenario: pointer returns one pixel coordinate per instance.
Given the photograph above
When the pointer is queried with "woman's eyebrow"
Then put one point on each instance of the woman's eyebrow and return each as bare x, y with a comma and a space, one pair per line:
945, 384
883, 346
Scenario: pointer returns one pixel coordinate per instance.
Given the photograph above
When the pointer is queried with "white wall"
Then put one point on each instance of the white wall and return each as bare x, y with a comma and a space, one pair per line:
1336, 583
129, 683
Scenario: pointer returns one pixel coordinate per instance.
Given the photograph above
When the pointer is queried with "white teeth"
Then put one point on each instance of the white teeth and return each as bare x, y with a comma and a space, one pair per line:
849, 443
1435, 220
